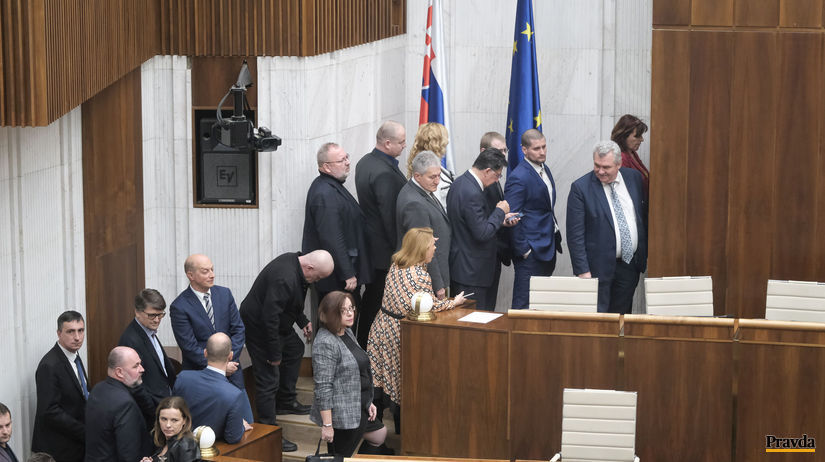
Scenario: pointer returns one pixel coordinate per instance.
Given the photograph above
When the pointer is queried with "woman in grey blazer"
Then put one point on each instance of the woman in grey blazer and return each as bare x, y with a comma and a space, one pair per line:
343, 383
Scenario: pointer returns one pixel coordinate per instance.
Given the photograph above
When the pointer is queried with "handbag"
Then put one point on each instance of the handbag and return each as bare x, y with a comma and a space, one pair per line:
324, 457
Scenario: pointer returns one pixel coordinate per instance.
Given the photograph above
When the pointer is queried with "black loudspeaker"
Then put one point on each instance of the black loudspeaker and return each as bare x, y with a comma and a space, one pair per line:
223, 175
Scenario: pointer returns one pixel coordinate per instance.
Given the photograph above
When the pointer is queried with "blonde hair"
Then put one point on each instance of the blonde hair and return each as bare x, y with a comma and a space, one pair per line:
414, 247
431, 136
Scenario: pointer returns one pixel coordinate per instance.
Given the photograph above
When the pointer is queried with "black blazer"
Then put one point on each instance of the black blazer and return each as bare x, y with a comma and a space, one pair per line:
473, 244
158, 384
59, 427
333, 222
116, 430
494, 194
274, 303
378, 181
181, 450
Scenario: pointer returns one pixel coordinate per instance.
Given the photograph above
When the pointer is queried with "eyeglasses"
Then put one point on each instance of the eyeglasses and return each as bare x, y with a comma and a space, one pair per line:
350, 310
154, 316
345, 159
497, 174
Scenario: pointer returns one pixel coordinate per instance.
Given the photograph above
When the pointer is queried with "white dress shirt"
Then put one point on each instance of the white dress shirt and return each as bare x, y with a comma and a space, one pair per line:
628, 209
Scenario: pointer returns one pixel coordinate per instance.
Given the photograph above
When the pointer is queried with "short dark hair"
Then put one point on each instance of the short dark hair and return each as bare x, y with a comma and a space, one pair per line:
329, 311
4, 410
40, 457
68, 316
151, 298
627, 125
531, 135
491, 158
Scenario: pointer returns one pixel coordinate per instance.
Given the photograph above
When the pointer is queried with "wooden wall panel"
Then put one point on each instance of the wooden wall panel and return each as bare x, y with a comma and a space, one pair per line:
113, 214
796, 167
711, 54
751, 213
757, 13
670, 104
711, 12
819, 207
671, 12
800, 13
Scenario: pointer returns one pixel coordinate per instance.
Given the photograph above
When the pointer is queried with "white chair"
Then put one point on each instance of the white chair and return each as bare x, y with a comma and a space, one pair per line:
564, 293
679, 296
795, 301
598, 425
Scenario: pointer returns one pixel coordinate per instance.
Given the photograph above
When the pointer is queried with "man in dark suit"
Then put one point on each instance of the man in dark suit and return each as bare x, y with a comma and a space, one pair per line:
333, 222
212, 400
530, 190
474, 226
201, 310
62, 390
606, 229
274, 303
116, 428
141, 336
494, 194
417, 207
378, 181
6, 453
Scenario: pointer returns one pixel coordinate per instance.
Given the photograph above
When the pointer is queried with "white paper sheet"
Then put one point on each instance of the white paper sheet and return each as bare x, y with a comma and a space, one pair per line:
480, 317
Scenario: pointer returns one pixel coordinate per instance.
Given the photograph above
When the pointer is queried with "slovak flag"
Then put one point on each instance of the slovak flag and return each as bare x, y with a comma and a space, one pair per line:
434, 106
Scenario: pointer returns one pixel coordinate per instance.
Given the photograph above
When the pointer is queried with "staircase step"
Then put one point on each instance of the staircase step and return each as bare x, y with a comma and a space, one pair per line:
304, 388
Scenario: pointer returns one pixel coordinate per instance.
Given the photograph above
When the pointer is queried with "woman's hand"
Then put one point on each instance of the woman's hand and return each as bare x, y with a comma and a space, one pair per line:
146, 459
327, 433
372, 412
459, 299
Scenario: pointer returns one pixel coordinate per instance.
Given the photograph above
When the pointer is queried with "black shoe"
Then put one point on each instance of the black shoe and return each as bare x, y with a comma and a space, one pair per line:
293, 408
288, 446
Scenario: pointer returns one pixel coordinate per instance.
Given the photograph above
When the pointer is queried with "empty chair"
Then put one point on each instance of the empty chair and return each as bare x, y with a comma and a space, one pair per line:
598, 425
564, 293
795, 301
680, 296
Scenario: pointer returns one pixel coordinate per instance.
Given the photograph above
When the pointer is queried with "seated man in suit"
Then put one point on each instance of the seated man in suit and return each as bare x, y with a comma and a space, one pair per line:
417, 207
61, 381
474, 226
606, 229
115, 423
201, 310
212, 400
141, 336
6, 454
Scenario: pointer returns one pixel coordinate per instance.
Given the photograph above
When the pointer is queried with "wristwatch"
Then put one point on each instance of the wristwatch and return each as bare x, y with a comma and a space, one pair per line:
327, 425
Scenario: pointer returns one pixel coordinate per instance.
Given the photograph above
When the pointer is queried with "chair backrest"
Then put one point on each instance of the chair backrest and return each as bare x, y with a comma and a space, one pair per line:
795, 301
564, 293
679, 296
598, 425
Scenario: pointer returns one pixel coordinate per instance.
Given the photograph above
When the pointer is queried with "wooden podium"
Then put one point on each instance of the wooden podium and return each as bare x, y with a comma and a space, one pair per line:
262, 443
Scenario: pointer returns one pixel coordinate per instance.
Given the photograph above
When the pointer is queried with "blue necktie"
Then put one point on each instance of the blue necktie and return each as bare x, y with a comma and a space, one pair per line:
81, 374
624, 229
208, 307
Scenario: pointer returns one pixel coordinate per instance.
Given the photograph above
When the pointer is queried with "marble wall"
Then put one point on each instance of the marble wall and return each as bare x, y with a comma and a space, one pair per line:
41, 255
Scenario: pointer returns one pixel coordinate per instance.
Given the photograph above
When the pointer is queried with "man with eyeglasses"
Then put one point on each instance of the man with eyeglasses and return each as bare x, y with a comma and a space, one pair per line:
495, 194
333, 221
474, 225
141, 336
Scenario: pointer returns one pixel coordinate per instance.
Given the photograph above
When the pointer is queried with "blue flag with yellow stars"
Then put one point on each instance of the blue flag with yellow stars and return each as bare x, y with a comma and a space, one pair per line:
524, 105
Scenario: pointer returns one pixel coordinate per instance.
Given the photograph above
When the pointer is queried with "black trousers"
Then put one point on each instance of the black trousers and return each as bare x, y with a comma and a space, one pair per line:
276, 384
484, 296
370, 304
616, 291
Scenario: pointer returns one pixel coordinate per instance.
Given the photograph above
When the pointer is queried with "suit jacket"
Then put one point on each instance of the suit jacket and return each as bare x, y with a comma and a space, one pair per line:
337, 380
7, 453
274, 303
378, 181
333, 221
59, 422
192, 327
156, 382
474, 226
494, 194
416, 209
215, 402
526, 192
115, 430
590, 232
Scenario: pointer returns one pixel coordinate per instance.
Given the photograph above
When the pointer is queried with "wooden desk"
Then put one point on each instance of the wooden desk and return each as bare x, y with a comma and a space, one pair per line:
233, 459
262, 443
454, 393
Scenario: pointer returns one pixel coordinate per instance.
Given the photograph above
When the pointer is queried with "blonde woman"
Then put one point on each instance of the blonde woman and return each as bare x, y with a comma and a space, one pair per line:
432, 136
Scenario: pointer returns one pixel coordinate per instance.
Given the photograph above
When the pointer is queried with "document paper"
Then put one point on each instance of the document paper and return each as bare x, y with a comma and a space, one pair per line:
480, 317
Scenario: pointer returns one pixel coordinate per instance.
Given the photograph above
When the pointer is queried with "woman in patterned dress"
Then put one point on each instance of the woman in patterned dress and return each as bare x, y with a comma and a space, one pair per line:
407, 276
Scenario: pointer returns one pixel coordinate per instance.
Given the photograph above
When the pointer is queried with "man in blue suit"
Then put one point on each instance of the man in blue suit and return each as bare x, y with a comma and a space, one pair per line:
474, 225
201, 310
212, 400
530, 190
606, 228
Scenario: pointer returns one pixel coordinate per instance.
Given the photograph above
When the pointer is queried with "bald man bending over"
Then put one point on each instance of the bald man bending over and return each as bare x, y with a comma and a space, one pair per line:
274, 303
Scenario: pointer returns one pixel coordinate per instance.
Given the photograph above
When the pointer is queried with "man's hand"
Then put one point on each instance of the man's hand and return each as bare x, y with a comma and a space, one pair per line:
246, 426
372, 413
308, 330
504, 205
441, 294
351, 284
585, 275
511, 219
274, 363
231, 368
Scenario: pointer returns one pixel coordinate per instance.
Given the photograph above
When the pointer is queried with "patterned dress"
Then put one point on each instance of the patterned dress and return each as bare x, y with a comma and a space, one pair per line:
384, 345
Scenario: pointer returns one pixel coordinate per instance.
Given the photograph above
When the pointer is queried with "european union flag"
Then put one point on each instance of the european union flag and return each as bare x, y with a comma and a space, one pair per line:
524, 107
